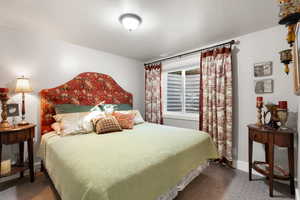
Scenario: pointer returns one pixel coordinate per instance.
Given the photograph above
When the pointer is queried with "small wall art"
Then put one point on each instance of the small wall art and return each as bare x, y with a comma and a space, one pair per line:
263, 69
264, 86
13, 110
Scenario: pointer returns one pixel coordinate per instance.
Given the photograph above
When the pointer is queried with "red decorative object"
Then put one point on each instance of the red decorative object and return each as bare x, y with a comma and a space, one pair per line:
282, 105
87, 88
259, 101
259, 98
4, 92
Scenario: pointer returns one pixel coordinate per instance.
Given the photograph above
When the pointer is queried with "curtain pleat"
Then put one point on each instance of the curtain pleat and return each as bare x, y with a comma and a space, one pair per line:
153, 94
216, 98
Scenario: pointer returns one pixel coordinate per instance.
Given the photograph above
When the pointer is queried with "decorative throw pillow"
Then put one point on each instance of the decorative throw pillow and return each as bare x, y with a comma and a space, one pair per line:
138, 119
106, 125
126, 121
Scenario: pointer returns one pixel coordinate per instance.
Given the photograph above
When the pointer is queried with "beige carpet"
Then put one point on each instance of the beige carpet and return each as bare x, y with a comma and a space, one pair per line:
215, 183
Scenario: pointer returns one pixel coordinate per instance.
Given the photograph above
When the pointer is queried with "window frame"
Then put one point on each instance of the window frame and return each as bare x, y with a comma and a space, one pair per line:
172, 114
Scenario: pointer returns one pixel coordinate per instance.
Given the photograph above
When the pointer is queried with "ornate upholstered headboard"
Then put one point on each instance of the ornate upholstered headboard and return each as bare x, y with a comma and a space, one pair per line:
89, 88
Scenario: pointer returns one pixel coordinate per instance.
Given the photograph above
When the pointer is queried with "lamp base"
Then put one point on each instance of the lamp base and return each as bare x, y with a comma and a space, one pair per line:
23, 123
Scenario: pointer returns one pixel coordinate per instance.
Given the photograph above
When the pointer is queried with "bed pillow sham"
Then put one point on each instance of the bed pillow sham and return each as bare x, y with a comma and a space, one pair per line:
75, 123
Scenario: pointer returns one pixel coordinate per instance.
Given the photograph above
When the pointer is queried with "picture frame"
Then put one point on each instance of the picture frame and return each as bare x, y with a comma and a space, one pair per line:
296, 70
13, 110
264, 86
263, 69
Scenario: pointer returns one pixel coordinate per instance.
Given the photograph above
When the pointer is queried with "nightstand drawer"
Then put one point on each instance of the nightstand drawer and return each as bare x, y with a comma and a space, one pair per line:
259, 137
15, 137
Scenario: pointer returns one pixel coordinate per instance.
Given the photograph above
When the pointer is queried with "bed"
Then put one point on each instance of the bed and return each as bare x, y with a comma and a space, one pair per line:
149, 162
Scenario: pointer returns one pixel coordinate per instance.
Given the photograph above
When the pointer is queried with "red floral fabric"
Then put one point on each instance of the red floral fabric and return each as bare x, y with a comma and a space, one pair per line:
216, 98
153, 103
126, 121
89, 88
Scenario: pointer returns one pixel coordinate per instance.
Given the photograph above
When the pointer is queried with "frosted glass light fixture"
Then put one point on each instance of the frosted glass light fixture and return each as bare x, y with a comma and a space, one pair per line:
130, 21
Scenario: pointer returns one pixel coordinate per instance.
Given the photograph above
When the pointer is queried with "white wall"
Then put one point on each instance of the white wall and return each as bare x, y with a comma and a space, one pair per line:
50, 63
255, 47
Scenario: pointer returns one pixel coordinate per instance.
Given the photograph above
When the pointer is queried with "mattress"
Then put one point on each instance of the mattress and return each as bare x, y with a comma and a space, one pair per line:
143, 163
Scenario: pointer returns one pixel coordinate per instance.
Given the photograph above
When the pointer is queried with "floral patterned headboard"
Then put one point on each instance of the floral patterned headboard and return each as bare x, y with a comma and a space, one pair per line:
89, 88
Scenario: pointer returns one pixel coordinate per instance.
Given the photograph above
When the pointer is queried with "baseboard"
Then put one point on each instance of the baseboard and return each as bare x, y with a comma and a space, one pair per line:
244, 166
297, 197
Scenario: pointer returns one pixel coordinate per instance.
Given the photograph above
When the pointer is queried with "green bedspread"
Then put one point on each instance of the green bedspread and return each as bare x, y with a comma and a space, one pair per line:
138, 164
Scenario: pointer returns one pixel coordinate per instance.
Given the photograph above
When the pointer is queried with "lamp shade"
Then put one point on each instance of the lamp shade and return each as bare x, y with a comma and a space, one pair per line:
23, 85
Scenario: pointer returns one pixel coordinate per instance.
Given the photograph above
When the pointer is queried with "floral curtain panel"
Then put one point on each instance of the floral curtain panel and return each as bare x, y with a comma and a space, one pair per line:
153, 102
216, 98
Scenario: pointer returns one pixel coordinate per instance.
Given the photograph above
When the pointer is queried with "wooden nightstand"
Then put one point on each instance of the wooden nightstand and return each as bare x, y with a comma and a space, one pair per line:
270, 138
18, 135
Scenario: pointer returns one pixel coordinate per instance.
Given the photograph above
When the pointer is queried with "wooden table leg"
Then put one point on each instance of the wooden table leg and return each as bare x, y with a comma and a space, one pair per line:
291, 166
21, 157
267, 156
266, 152
250, 148
271, 163
30, 158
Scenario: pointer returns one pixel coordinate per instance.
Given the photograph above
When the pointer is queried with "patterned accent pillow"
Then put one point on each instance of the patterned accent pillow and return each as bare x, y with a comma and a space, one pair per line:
125, 120
106, 125
138, 119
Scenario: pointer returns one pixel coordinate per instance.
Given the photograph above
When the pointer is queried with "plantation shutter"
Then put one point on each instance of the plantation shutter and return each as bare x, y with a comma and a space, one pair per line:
174, 91
192, 87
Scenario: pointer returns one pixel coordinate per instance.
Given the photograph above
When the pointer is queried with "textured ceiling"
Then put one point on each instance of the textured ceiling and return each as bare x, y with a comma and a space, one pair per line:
169, 26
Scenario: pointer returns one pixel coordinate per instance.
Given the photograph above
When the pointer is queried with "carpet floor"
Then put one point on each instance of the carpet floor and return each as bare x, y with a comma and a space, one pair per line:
215, 183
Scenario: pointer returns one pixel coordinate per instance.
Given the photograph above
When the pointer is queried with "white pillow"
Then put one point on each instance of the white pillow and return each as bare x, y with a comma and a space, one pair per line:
138, 119
75, 123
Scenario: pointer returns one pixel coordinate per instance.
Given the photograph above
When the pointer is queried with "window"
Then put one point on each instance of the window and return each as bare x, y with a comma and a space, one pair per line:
182, 91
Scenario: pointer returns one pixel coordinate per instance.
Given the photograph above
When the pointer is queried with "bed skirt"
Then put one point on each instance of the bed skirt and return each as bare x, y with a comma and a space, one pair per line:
172, 193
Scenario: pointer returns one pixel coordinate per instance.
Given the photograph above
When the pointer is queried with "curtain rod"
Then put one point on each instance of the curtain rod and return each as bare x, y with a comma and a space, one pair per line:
232, 42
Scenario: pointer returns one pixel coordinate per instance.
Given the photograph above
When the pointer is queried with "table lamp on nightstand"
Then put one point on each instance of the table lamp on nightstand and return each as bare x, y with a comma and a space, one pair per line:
23, 86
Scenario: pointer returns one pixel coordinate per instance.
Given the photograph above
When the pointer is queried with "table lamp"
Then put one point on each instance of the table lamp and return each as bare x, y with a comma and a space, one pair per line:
23, 86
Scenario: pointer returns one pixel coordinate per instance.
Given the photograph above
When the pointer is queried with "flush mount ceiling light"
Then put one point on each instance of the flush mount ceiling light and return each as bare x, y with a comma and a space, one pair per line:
130, 21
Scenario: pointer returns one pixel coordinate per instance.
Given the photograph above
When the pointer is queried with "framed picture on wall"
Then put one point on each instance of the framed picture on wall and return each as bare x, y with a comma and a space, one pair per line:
297, 61
263, 69
13, 110
264, 86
